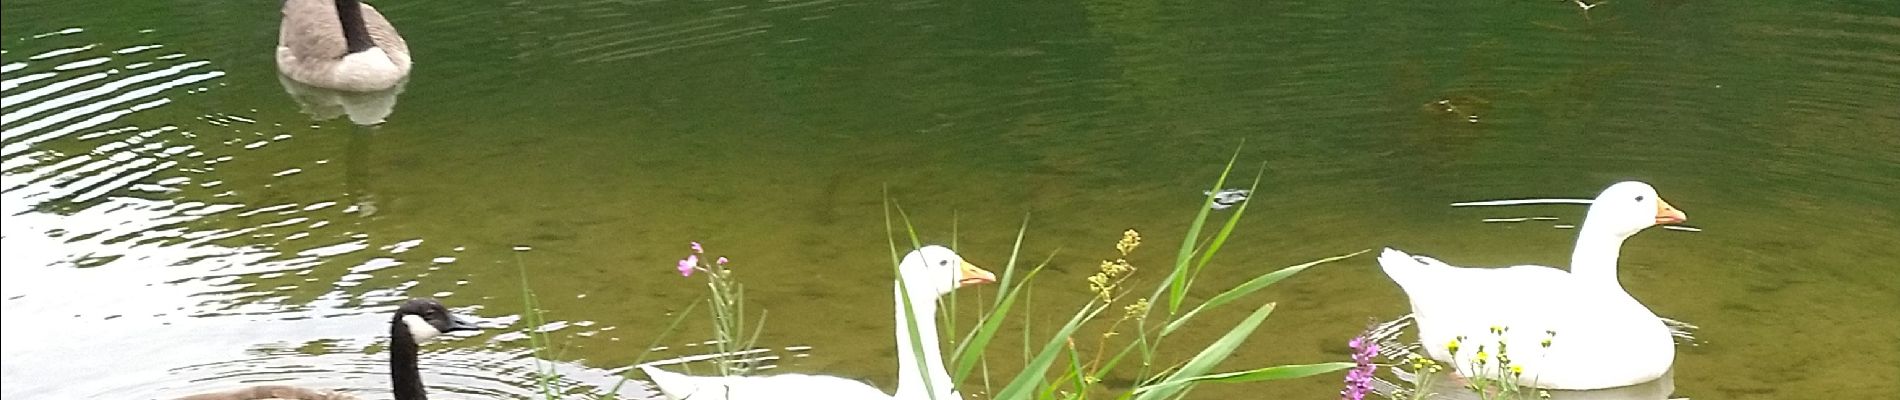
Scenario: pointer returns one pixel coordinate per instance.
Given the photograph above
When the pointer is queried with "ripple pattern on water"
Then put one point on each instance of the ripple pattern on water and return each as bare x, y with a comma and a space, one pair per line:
134, 228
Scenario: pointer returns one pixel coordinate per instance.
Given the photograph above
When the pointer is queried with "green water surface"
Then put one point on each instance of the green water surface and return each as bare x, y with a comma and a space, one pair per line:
168, 209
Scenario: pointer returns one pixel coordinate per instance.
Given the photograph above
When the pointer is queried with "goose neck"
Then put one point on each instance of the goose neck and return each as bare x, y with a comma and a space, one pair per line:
349, 14
403, 370
1595, 256
915, 381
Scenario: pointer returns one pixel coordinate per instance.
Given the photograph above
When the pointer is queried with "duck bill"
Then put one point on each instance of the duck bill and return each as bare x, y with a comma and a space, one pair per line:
970, 274
1668, 214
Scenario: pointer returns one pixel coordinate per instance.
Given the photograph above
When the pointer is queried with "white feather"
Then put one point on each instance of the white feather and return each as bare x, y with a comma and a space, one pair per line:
420, 328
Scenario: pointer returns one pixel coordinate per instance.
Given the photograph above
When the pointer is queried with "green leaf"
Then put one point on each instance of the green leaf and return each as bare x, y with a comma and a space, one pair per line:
1025, 382
1227, 229
1258, 375
971, 350
1177, 279
910, 313
1257, 283
1009, 269
1207, 359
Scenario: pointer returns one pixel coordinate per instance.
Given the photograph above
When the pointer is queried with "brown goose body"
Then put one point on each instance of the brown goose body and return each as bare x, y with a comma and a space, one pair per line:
341, 45
272, 392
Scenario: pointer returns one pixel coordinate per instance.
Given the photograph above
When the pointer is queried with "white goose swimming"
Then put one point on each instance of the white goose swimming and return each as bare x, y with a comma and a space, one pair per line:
1598, 335
923, 276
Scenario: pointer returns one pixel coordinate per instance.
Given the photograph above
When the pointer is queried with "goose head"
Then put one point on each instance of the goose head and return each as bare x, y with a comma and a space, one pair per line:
1626, 208
935, 271
425, 318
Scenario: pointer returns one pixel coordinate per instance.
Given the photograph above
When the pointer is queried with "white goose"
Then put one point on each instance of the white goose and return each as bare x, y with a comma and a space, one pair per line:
340, 45
923, 276
1603, 338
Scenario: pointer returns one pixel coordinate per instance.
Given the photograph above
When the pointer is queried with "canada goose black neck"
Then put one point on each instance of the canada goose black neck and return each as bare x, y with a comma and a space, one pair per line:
402, 359
355, 33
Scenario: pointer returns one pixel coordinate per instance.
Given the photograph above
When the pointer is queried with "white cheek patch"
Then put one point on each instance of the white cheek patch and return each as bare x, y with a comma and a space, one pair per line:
419, 328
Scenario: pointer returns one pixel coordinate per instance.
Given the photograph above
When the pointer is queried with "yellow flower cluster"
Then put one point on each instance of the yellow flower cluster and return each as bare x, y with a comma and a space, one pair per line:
1422, 364
1130, 239
1105, 281
1136, 310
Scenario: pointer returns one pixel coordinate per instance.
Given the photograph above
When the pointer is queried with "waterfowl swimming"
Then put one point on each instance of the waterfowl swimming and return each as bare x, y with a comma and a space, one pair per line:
923, 276
1225, 198
415, 321
1575, 330
340, 45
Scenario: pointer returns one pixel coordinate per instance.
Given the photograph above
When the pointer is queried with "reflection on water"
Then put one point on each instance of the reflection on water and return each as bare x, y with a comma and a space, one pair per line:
118, 231
363, 108
357, 173
1519, 218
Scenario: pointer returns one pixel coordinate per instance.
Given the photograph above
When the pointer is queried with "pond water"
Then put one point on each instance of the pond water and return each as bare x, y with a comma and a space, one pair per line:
175, 222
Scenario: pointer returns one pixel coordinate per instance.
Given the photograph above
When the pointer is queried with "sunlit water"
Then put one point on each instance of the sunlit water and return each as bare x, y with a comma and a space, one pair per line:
177, 219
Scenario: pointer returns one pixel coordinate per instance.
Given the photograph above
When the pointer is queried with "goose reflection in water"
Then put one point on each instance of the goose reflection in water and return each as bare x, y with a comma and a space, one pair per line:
363, 108
367, 111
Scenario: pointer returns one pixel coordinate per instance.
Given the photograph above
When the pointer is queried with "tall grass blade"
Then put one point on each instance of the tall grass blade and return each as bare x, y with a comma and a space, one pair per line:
971, 350
1015, 250
1177, 279
910, 310
1207, 359
1257, 283
1026, 382
1262, 374
1227, 229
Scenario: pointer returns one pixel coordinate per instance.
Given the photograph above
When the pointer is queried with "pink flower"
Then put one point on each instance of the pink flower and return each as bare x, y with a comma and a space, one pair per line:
722, 261
1359, 378
697, 249
688, 265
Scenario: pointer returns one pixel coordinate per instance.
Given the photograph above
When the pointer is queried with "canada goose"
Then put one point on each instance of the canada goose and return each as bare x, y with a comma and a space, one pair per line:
415, 321
341, 45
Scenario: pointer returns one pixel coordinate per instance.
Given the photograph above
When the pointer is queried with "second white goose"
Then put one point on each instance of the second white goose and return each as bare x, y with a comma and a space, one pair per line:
1576, 330
923, 276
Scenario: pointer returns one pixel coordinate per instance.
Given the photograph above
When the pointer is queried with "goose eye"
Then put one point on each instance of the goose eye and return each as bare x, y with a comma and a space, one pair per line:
943, 263
1639, 198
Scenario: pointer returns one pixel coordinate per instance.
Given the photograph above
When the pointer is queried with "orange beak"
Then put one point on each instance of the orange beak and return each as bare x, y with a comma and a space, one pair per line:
970, 274
1667, 214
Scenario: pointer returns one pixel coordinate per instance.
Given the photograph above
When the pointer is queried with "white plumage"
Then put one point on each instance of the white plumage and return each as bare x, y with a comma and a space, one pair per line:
1598, 335
923, 276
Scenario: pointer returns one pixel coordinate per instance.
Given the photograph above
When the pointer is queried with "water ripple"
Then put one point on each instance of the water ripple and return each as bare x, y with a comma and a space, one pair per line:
120, 220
